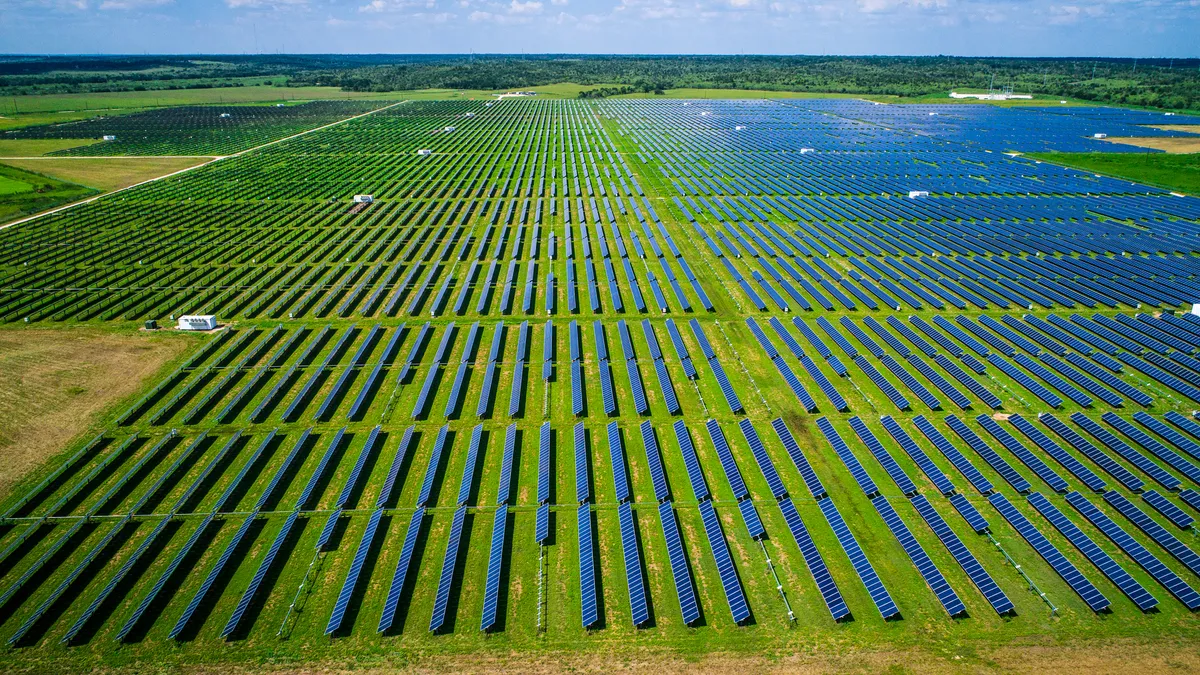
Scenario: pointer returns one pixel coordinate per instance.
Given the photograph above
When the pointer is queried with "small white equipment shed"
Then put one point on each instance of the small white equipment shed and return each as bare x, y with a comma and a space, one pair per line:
197, 322
363, 199
914, 194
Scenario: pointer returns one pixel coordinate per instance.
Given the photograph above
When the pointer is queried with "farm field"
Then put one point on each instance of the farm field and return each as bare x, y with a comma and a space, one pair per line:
24, 192
734, 382
104, 173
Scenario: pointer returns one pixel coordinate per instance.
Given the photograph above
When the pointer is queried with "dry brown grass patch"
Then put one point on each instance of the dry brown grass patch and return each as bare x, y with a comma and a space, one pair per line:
56, 383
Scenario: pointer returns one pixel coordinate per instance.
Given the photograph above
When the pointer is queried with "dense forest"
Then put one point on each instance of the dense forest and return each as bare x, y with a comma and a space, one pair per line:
1164, 83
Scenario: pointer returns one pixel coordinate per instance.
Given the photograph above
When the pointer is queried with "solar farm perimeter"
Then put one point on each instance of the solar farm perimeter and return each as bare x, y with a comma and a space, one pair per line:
697, 375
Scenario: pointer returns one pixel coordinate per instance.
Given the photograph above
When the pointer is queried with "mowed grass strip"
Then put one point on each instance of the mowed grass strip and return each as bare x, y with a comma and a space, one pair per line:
57, 383
106, 173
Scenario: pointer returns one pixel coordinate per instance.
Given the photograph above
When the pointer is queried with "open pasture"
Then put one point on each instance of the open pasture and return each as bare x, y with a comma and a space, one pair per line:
765, 376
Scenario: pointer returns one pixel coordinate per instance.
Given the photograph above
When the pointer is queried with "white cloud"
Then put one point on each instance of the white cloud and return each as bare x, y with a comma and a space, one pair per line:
565, 2
531, 7
133, 4
264, 4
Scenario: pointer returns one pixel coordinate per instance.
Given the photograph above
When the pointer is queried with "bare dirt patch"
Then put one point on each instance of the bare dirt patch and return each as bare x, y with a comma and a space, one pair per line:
1178, 145
1106, 657
56, 383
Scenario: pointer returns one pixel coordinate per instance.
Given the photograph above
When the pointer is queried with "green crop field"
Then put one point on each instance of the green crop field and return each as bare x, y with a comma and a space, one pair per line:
25, 192
774, 382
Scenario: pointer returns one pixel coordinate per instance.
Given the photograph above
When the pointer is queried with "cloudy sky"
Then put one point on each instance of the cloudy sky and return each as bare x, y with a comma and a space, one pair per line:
1162, 28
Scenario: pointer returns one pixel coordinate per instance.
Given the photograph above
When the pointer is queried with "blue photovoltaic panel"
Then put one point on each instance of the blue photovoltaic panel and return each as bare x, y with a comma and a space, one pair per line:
866, 572
577, 402
802, 465
932, 575
679, 567
264, 567
963, 556
691, 461
1001, 466
774, 482
213, 574
435, 458
446, 579
1143, 557
725, 569
167, 575
387, 619
543, 490
351, 582
1066, 459
1175, 438
1103, 460
1167, 510
589, 604
616, 453
931, 471
725, 455
1191, 498
1157, 532
654, 460
1055, 481
542, 524
843, 451
969, 513
884, 458
812, 558
582, 490
1167, 455
491, 591
1147, 466
1103, 562
1070, 574
750, 518
633, 565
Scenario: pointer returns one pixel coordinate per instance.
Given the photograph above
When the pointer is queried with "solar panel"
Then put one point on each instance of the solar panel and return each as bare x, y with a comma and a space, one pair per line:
1102, 459
1166, 509
690, 461
1175, 438
633, 565
884, 385
491, 592
929, 572
1167, 455
966, 560
435, 458
1066, 459
213, 574
882, 455
731, 397
968, 512
163, 579
1157, 532
387, 619
1103, 562
446, 579
793, 451
843, 451
589, 604
1143, 557
732, 475
1069, 573
939, 479
543, 490
866, 572
351, 582
977, 479
1191, 498
679, 567
998, 463
1024, 380
1055, 481
1156, 472
654, 460
725, 568
750, 518
812, 558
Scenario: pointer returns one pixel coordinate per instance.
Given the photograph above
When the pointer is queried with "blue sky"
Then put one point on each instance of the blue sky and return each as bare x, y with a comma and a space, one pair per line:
1160, 28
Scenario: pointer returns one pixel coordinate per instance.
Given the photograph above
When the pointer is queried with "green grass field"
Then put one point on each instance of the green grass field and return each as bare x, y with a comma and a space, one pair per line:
1175, 172
24, 192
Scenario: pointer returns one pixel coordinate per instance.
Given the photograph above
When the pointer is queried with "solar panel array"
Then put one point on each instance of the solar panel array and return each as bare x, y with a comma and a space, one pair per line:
298, 453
